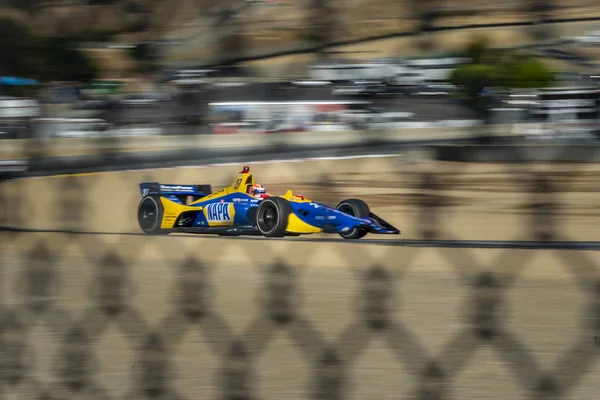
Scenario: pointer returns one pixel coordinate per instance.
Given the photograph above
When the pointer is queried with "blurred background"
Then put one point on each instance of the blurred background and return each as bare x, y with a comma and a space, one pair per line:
145, 68
471, 125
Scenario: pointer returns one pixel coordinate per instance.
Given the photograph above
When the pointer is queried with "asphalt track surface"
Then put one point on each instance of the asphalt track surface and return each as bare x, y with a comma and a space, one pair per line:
473, 244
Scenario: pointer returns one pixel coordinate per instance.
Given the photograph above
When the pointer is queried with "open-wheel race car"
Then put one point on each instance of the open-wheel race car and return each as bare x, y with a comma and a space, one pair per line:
244, 208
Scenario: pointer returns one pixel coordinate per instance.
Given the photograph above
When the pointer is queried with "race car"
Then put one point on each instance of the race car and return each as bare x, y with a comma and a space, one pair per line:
245, 208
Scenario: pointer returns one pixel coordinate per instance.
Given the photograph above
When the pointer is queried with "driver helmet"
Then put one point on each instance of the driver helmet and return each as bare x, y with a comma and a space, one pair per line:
257, 190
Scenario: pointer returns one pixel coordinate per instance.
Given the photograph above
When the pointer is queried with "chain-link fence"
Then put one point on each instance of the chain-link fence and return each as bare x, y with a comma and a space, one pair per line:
491, 293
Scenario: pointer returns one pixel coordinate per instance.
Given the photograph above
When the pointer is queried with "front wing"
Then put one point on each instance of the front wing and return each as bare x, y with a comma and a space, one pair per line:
313, 217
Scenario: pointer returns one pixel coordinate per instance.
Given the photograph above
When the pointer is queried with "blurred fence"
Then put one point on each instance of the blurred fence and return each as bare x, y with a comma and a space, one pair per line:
92, 309
46, 156
448, 141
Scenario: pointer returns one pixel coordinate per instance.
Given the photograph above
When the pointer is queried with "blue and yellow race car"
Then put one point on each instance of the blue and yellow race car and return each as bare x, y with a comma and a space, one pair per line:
244, 208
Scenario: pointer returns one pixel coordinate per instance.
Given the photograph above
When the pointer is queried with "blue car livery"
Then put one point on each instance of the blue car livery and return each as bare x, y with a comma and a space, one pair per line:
236, 210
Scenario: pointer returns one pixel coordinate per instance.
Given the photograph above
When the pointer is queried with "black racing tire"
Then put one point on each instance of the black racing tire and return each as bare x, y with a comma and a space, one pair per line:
356, 208
150, 215
272, 216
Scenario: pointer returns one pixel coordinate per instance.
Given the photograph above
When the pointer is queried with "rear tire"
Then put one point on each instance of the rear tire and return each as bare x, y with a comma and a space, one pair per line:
357, 208
150, 215
272, 216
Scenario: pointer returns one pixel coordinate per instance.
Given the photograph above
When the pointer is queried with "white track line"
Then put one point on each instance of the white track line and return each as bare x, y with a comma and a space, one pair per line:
210, 165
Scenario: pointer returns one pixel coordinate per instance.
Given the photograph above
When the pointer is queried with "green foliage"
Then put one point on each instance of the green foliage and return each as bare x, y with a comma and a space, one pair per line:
473, 78
477, 48
498, 68
527, 72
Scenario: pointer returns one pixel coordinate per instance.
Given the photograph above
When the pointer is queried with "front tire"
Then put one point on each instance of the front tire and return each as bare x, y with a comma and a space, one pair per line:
272, 216
357, 208
150, 214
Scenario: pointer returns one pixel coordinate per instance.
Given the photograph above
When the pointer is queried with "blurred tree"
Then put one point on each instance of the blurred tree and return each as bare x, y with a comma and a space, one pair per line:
477, 49
322, 25
140, 16
140, 25
230, 34
102, 2
426, 12
496, 68
143, 52
60, 60
540, 12
474, 78
521, 71
15, 47
147, 57
133, 7
42, 58
29, 6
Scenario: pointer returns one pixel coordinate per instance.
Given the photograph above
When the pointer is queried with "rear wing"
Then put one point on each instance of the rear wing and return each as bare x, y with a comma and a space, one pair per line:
149, 188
